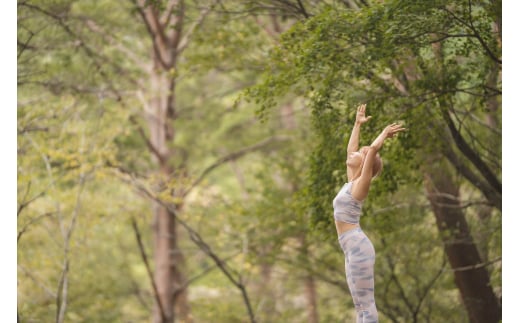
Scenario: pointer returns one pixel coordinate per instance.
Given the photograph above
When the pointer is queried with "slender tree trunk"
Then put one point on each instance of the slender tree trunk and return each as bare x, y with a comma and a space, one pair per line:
289, 122
180, 288
164, 228
267, 293
471, 277
168, 257
309, 283
310, 292
165, 25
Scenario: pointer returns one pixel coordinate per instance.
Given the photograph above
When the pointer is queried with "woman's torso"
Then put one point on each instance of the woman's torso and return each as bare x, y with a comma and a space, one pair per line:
347, 209
344, 227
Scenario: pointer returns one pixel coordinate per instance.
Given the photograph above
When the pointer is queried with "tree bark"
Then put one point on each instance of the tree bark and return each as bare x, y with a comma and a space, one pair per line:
164, 26
310, 291
471, 277
289, 122
168, 257
266, 293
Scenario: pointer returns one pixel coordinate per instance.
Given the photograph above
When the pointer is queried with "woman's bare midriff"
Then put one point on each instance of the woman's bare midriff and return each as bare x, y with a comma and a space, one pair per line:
344, 226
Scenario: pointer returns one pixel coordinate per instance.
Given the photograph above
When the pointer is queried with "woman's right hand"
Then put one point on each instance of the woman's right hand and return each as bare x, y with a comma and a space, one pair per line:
360, 114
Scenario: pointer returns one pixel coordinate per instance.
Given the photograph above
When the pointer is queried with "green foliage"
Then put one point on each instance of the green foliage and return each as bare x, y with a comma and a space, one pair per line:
269, 212
382, 55
345, 56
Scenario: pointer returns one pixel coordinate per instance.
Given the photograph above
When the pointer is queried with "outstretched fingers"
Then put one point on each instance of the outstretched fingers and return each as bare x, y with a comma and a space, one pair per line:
361, 107
360, 114
395, 128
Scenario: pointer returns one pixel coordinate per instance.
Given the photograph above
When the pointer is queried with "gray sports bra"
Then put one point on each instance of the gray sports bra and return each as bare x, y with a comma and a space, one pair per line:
346, 208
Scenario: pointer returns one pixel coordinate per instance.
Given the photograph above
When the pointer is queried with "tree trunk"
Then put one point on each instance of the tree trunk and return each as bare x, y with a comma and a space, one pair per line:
181, 303
471, 276
267, 294
169, 259
311, 296
289, 122
163, 229
309, 283
164, 25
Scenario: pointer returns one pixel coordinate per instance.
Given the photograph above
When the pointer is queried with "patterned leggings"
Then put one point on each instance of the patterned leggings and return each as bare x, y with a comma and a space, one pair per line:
359, 266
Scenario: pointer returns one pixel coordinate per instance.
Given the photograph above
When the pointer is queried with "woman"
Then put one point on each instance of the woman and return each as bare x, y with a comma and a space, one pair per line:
362, 166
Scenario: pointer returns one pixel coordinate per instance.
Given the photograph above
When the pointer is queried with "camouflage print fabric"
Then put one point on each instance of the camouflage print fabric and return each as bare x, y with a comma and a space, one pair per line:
359, 266
346, 207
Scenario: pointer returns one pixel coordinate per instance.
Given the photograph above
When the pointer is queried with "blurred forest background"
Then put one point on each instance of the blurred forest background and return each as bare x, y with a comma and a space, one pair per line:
177, 160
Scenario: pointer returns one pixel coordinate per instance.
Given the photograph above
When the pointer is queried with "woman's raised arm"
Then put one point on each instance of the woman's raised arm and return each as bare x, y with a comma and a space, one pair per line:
360, 191
353, 142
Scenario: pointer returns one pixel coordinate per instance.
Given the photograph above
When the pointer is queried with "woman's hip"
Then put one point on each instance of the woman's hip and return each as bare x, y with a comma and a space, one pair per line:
355, 241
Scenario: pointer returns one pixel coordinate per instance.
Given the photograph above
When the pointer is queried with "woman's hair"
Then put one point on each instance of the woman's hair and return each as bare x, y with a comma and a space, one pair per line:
377, 167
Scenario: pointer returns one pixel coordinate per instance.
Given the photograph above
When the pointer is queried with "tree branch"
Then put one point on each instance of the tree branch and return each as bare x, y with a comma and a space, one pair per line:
470, 154
168, 13
491, 195
89, 51
94, 27
393, 277
233, 156
429, 286
147, 141
25, 203
25, 45
156, 35
197, 239
478, 144
148, 269
302, 8
37, 281
477, 266
63, 285
202, 274
187, 36
475, 34
30, 129
31, 221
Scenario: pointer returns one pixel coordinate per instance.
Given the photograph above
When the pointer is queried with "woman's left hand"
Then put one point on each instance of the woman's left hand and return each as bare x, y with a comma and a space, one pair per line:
391, 130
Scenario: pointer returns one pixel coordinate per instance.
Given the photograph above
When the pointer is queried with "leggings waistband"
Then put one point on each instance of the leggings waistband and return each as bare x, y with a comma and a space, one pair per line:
349, 232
